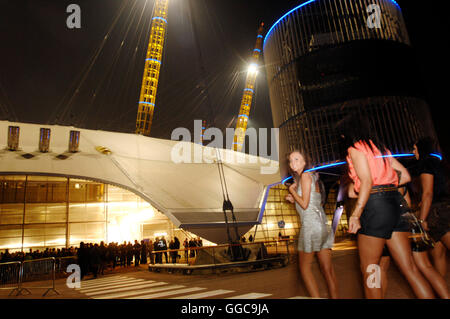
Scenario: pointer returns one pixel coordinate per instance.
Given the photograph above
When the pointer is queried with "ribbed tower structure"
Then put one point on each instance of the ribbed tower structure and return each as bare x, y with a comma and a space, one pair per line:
147, 98
246, 102
326, 59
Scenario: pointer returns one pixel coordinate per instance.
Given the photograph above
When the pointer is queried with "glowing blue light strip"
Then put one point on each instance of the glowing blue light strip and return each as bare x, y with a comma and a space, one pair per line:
154, 60
243, 115
437, 155
249, 90
146, 103
259, 36
237, 143
383, 156
286, 179
160, 18
257, 50
325, 166
296, 8
397, 155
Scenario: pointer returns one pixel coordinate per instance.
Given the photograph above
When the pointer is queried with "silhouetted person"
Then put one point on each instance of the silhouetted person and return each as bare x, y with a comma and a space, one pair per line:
95, 259
150, 249
143, 252
83, 259
137, 253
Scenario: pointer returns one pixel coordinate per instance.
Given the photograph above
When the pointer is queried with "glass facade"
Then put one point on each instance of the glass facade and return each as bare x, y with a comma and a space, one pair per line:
280, 216
43, 211
325, 60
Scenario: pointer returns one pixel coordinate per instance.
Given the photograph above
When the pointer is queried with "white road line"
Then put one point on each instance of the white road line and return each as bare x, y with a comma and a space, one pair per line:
138, 294
135, 288
252, 295
107, 278
112, 285
92, 283
169, 293
205, 294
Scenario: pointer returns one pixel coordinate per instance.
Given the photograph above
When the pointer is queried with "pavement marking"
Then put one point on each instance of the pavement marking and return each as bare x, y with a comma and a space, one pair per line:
134, 288
106, 278
139, 294
112, 285
205, 294
251, 295
95, 283
169, 293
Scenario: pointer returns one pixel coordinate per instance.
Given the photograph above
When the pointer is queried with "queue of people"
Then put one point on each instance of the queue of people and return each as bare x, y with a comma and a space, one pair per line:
95, 258
380, 214
37, 254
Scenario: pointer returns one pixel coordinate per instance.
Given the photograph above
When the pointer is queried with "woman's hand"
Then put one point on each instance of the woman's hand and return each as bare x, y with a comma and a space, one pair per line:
425, 225
354, 225
290, 198
293, 188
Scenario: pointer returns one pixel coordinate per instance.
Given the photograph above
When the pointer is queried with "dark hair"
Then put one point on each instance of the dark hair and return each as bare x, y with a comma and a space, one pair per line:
425, 146
354, 128
305, 157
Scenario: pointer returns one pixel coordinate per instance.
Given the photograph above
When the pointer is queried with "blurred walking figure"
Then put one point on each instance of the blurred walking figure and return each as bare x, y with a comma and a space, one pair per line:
316, 236
434, 201
143, 252
376, 215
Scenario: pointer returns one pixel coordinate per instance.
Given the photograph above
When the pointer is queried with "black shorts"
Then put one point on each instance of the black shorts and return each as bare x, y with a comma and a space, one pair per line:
381, 216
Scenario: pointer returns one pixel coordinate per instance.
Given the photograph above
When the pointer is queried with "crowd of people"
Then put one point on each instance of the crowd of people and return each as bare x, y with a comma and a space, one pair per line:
96, 258
37, 254
411, 227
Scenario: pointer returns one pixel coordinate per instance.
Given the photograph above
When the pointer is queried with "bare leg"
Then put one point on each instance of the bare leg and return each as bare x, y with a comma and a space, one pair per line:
446, 240
439, 258
326, 267
384, 265
304, 262
432, 275
370, 250
400, 249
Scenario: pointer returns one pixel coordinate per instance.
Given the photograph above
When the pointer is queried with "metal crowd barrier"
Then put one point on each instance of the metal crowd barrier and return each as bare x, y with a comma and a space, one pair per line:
18, 275
10, 275
63, 262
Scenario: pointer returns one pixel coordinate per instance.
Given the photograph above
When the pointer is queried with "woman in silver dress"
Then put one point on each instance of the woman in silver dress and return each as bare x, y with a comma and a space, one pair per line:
315, 235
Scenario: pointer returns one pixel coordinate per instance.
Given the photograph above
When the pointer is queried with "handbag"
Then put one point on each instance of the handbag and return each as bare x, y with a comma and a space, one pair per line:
420, 240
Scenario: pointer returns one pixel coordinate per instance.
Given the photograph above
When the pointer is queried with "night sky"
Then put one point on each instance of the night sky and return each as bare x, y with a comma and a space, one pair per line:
51, 74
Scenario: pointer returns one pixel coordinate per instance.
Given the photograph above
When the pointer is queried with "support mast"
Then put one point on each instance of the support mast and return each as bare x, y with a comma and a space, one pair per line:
246, 102
152, 68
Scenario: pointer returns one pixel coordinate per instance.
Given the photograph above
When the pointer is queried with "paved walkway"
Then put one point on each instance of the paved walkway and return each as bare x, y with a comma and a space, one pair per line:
281, 283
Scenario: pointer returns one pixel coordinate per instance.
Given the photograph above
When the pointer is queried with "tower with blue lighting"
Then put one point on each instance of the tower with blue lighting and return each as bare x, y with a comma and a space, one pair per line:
325, 59
147, 97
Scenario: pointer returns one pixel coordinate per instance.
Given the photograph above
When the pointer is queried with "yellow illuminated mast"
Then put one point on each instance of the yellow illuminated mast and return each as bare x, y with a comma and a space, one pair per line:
152, 69
246, 102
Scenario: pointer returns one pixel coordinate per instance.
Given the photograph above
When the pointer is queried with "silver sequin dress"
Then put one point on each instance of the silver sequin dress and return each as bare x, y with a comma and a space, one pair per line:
315, 233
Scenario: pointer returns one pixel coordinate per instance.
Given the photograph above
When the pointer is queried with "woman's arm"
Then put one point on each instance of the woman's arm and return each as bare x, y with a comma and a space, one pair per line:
305, 182
363, 171
404, 174
427, 196
351, 191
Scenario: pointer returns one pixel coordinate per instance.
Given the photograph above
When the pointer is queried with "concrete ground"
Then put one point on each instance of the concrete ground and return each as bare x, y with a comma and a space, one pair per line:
277, 283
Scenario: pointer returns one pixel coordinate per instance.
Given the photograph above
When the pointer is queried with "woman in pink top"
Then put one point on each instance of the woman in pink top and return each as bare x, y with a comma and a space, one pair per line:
376, 216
